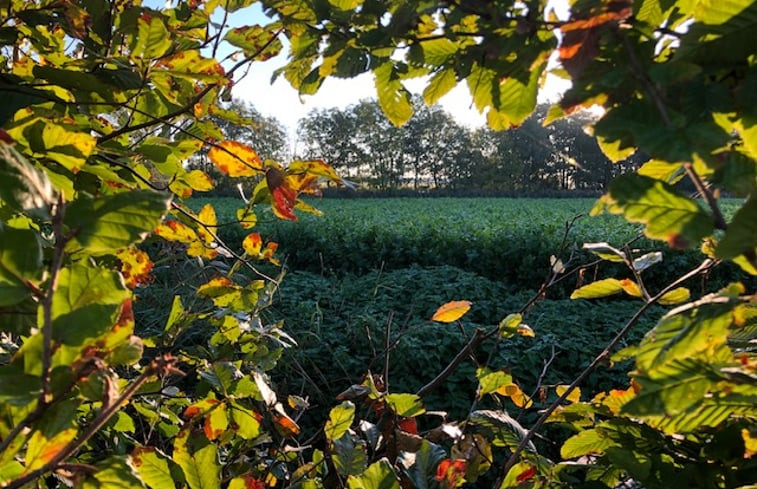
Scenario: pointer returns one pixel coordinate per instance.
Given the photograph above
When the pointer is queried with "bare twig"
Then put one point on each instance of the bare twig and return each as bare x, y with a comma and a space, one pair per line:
478, 337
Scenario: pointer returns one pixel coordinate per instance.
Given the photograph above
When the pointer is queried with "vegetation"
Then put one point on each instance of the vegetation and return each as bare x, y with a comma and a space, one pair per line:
107, 101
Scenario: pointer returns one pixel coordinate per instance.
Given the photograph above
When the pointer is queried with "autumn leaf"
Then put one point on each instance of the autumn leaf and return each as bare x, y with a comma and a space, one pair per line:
252, 244
176, 231
574, 396
235, 159
284, 197
451, 311
135, 267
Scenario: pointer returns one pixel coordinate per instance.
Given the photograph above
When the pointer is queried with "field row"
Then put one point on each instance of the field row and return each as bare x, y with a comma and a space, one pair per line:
507, 240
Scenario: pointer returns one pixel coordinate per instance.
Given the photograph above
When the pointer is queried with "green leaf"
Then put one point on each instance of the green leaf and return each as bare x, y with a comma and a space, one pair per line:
20, 263
104, 225
481, 83
741, 236
662, 170
635, 463
113, 473
406, 405
667, 214
696, 333
23, 187
586, 442
198, 460
349, 455
253, 39
153, 39
516, 99
380, 475
340, 420
346, 4
247, 421
152, 467
438, 51
491, 381
671, 389
53, 433
420, 467
503, 430
600, 288
439, 85
85, 303
393, 97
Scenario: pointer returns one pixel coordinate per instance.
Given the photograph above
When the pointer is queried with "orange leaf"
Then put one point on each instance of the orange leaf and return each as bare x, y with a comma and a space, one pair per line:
410, 425
252, 244
451, 311
235, 159
286, 425
630, 287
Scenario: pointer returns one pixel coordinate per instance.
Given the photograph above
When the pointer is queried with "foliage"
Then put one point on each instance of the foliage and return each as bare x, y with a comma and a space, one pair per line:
109, 99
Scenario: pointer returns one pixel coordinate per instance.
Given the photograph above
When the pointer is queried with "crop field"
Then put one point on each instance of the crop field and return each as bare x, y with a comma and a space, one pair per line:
363, 280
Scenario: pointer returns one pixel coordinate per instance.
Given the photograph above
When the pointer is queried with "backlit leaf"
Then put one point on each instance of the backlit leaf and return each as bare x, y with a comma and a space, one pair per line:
393, 97
406, 405
283, 196
666, 214
600, 288
491, 381
586, 442
135, 266
630, 287
255, 40
439, 85
451, 311
20, 264
379, 475
152, 468
173, 230
675, 296
574, 396
340, 420
103, 225
247, 421
216, 422
153, 39
235, 159
247, 218
252, 244
198, 461
741, 236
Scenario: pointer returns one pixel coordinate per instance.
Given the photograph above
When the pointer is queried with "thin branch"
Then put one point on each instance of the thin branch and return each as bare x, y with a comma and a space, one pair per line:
599, 359
478, 337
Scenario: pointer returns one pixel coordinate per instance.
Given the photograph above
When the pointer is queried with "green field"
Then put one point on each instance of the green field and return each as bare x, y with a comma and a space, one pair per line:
370, 273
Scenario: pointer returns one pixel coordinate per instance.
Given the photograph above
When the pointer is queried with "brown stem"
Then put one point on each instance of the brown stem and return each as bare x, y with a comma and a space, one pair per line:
599, 359
477, 338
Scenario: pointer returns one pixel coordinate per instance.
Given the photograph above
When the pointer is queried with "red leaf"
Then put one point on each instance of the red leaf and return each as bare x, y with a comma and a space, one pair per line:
284, 197
409, 425
526, 474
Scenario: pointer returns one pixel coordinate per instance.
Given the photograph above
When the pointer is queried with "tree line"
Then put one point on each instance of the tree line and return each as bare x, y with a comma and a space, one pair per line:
433, 152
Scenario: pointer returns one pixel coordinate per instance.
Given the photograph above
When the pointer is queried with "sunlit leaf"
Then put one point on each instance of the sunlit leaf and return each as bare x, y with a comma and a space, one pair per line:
667, 215
585, 443
235, 159
216, 422
135, 267
600, 288
173, 230
283, 196
675, 296
491, 381
574, 396
379, 475
109, 223
630, 287
252, 244
406, 405
255, 40
451, 311
393, 97
340, 420
152, 467
198, 461
152, 39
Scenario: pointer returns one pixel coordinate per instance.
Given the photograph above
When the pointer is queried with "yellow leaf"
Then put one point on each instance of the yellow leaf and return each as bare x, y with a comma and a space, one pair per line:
247, 219
519, 397
235, 159
451, 311
525, 330
198, 180
176, 231
201, 249
675, 296
135, 266
574, 396
207, 216
750, 441
252, 244
216, 422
